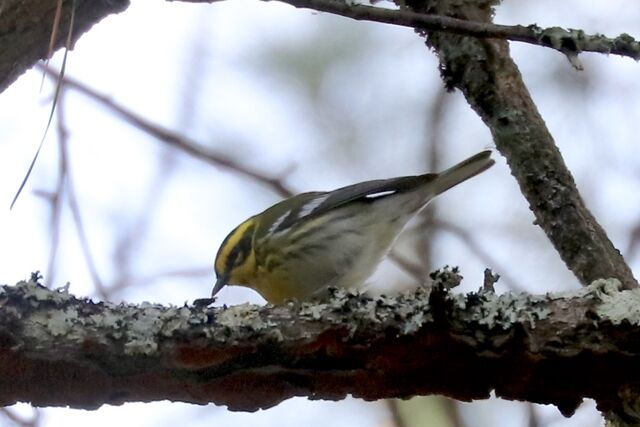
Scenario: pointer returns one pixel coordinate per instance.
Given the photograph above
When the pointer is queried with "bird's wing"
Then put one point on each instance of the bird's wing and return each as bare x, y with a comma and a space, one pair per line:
313, 204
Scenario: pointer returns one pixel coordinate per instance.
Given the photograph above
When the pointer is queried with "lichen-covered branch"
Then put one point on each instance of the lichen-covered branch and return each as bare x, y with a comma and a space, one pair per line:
26, 27
568, 41
58, 350
491, 82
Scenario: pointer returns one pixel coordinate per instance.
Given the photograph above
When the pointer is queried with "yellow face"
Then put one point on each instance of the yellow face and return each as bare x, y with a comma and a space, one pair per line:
236, 261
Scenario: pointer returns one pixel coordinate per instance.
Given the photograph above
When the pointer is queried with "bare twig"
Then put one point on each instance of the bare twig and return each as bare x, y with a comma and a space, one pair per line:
532, 417
393, 406
54, 36
20, 421
569, 42
483, 255
413, 269
634, 241
133, 233
453, 410
56, 199
172, 138
138, 281
63, 136
55, 96
433, 141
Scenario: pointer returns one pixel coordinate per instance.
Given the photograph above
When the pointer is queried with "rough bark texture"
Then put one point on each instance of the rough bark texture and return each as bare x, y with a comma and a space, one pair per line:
491, 82
26, 26
57, 350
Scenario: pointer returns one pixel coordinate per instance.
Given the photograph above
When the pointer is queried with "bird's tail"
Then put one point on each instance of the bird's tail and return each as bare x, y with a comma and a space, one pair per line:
463, 171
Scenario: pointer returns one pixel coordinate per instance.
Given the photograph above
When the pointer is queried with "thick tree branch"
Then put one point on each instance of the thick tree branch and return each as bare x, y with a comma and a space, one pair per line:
560, 348
570, 42
26, 27
493, 86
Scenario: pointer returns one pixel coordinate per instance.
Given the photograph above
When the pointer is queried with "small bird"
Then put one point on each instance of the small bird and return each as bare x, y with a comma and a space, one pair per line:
300, 246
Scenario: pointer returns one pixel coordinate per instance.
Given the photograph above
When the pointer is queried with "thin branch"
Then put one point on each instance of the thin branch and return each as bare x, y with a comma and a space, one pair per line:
634, 242
433, 141
532, 417
205, 273
173, 139
56, 95
21, 421
56, 201
132, 234
483, 255
397, 419
63, 136
453, 411
413, 269
569, 42
249, 357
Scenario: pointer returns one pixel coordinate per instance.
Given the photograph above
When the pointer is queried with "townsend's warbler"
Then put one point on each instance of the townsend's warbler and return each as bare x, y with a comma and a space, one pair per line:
297, 248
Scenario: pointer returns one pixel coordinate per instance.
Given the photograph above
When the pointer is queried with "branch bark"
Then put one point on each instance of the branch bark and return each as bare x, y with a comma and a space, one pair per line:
567, 41
26, 27
491, 82
58, 350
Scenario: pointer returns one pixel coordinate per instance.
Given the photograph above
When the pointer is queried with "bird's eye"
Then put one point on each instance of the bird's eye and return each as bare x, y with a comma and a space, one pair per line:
240, 252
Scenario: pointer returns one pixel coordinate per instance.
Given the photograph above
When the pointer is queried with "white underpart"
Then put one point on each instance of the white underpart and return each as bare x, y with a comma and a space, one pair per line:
374, 241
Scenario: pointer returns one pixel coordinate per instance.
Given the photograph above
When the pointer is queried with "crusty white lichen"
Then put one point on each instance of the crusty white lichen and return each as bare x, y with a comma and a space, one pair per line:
617, 305
110, 321
245, 315
141, 328
37, 293
313, 311
56, 322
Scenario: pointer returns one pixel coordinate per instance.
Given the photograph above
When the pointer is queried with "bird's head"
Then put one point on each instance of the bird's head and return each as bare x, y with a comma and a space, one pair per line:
235, 262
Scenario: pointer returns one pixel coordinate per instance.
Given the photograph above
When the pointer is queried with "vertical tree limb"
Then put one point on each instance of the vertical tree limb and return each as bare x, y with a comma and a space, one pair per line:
492, 84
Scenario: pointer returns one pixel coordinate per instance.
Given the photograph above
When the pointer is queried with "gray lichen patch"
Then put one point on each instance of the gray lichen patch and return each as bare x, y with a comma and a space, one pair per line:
504, 310
405, 312
56, 323
616, 305
32, 291
142, 329
242, 315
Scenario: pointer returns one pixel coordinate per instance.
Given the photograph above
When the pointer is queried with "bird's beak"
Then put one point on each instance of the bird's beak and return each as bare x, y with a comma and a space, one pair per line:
220, 283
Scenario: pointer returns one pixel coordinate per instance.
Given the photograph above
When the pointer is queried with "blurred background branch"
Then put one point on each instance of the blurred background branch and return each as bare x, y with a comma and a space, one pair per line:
171, 138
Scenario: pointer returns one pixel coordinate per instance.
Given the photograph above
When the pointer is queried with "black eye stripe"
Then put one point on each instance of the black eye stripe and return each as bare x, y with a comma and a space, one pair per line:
240, 252
244, 245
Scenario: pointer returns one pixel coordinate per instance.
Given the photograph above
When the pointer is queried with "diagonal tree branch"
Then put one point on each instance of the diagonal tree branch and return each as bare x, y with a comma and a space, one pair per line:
493, 86
171, 138
58, 350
